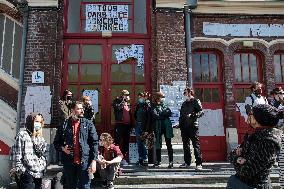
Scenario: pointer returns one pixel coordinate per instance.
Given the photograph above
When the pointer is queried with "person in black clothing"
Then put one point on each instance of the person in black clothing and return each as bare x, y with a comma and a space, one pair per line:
142, 115
190, 111
88, 109
256, 155
122, 114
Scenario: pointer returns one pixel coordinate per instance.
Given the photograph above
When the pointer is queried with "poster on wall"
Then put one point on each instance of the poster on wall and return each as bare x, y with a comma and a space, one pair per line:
174, 98
133, 51
101, 17
38, 99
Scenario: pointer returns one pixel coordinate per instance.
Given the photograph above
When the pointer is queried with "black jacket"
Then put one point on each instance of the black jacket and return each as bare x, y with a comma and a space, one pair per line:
117, 105
193, 107
88, 140
260, 151
142, 114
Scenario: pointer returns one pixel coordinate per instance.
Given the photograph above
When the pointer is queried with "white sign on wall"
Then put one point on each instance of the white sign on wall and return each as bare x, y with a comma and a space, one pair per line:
101, 17
38, 99
94, 96
243, 30
38, 77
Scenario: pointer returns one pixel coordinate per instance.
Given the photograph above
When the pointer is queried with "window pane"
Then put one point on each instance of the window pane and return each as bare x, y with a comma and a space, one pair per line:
213, 67
140, 16
196, 68
92, 53
121, 72
245, 67
73, 16
17, 51
199, 94
1, 33
73, 53
239, 95
205, 68
8, 41
107, 20
215, 95
253, 67
207, 95
139, 73
72, 72
90, 72
237, 64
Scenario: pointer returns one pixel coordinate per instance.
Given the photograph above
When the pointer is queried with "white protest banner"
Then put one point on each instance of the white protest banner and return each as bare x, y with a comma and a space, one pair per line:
101, 17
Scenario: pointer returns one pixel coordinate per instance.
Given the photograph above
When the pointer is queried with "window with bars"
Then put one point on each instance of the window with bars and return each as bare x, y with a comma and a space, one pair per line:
107, 16
278, 61
10, 45
207, 76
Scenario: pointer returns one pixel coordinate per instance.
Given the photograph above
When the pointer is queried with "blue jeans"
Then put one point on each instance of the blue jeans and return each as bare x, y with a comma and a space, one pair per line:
142, 151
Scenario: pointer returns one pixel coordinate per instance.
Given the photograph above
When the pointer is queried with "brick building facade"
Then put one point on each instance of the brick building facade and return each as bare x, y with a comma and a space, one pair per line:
220, 60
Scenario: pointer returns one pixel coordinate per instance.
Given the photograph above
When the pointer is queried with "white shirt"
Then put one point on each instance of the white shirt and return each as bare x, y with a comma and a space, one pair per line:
257, 100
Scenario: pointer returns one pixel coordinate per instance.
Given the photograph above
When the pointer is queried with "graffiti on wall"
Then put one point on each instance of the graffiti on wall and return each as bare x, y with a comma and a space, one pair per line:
243, 30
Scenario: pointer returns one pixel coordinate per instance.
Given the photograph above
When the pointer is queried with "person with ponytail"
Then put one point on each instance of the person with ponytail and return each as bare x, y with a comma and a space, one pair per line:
256, 155
28, 154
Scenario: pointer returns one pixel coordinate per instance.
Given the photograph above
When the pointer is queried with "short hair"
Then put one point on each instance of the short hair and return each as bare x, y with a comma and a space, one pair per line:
190, 90
107, 138
86, 98
74, 104
254, 84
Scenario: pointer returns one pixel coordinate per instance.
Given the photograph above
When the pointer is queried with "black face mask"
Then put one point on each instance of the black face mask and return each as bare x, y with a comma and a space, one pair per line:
68, 97
257, 92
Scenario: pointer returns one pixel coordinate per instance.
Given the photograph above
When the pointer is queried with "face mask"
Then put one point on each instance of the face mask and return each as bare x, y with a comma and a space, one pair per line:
68, 97
140, 100
89, 102
37, 126
162, 99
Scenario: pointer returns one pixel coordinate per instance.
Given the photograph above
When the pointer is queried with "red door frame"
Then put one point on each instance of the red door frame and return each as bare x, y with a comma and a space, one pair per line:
210, 143
106, 72
241, 124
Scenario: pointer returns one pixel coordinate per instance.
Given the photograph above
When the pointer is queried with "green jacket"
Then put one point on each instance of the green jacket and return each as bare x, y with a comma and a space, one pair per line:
160, 117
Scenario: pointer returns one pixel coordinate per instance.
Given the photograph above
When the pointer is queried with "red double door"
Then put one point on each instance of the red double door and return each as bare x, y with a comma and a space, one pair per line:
92, 64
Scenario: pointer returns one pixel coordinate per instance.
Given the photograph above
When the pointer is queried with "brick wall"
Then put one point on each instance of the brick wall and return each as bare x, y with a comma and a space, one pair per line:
171, 55
44, 53
170, 44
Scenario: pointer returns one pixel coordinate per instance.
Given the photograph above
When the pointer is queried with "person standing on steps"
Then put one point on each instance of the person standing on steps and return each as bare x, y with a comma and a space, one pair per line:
162, 126
191, 110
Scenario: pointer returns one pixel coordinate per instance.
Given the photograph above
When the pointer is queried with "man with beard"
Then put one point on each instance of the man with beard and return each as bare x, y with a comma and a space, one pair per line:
79, 154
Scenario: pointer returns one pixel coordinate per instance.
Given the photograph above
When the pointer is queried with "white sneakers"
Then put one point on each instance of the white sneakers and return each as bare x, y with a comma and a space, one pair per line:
198, 167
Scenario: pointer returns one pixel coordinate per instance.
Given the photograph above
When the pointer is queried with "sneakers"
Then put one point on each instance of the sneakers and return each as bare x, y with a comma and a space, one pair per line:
110, 185
145, 163
198, 167
123, 162
157, 164
184, 165
171, 165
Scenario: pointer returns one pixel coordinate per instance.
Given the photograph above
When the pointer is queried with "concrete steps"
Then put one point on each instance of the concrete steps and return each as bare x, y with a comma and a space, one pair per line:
214, 175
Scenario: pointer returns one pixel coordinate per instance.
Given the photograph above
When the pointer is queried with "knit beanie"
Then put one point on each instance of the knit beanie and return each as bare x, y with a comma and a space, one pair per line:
266, 115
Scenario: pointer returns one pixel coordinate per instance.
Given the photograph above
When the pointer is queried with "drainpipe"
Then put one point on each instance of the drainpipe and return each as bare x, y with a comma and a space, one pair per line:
23, 7
190, 4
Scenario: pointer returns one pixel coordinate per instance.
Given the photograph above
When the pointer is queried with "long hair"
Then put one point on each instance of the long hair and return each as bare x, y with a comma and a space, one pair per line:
107, 138
65, 92
29, 125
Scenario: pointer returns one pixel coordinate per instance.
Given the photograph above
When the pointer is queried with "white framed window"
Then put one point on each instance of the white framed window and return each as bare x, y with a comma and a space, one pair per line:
10, 45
